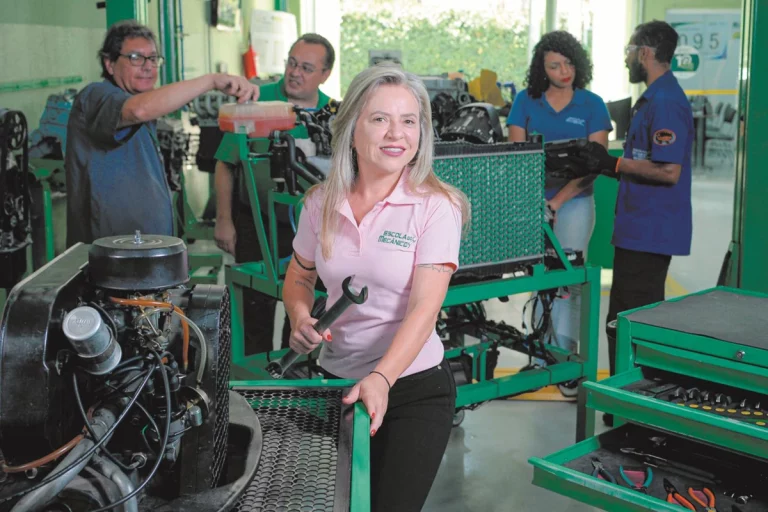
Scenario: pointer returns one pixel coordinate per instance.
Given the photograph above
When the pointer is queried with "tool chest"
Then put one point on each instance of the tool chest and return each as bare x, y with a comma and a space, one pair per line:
690, 401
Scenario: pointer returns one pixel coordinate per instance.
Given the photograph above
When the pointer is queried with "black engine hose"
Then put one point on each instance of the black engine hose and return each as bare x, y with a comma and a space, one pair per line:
166, 434
93, 435
95, 446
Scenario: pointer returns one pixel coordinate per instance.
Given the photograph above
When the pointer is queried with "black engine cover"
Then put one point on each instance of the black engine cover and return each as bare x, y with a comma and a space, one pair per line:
37, 413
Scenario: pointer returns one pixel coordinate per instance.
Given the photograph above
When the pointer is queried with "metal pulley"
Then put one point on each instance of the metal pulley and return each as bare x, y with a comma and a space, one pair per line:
138, 262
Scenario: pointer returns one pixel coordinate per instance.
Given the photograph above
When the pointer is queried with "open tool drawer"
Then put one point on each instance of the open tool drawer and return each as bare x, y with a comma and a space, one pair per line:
736, 480
700, 409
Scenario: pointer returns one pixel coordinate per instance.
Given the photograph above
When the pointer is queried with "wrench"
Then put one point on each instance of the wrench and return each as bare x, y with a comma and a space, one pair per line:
278, 368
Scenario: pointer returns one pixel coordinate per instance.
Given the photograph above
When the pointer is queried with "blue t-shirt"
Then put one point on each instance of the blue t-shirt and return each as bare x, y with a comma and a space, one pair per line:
583, 116
651, 217
116, 182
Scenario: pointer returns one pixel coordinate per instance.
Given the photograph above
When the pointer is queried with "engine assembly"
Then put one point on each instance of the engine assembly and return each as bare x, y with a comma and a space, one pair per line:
115, 386
15, 223
477, 123
175, 147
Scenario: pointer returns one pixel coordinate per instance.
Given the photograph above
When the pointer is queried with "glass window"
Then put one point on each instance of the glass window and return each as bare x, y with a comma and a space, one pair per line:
439, 36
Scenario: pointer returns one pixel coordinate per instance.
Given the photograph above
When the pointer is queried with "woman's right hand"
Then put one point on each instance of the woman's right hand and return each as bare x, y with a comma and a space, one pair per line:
304, 338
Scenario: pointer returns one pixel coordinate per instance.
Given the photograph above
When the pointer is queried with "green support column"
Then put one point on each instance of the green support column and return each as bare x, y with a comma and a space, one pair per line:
550, 20
749, 247
167, 16
118, 10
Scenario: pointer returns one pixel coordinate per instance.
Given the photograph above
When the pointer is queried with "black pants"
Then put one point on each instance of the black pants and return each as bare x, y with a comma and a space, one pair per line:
638, 280
407, 449
258, 308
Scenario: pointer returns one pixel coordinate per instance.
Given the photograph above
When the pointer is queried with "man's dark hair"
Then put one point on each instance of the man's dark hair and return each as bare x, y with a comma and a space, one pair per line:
659, 35
330, 55
113, 41
566, 45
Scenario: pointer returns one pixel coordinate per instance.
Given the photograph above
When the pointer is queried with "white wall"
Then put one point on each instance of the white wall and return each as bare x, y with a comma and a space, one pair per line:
324, 17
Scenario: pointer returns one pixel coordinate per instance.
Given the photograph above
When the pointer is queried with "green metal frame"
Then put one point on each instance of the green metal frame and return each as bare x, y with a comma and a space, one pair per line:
169, 72
266, 276
119, 10
204, 267
360, 484
600, 251
749, 245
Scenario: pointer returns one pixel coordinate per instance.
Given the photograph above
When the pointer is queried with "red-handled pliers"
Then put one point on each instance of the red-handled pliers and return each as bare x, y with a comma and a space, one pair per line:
704, 497
675, 497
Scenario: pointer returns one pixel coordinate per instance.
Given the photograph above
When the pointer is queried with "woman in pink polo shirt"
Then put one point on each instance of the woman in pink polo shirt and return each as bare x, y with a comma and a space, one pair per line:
384, 217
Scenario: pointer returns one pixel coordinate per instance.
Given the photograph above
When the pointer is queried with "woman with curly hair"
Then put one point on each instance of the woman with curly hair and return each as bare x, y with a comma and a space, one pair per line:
557, 106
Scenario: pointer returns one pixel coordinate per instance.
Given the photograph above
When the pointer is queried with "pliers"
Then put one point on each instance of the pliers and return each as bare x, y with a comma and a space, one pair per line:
637, 479
704, 497
675, 497
600, 472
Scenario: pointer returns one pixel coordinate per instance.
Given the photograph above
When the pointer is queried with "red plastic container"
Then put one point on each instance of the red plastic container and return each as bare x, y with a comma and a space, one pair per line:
257, 119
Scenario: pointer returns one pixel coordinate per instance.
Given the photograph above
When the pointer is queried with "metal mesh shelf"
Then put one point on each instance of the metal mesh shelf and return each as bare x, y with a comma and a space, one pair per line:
306, 457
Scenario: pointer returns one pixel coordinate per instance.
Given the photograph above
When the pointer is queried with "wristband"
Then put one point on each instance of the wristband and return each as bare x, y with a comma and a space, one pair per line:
618, 162
383, 377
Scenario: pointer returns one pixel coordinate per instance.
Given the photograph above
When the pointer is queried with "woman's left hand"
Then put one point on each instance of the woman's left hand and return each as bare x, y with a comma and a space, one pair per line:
373, 390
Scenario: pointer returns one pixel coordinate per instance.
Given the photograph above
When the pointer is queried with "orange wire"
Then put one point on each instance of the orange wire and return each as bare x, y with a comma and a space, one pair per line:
48, 458
159, 304
43, 460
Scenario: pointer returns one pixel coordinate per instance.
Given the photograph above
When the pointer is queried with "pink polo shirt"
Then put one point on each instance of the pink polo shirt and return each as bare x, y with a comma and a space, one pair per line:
400, 232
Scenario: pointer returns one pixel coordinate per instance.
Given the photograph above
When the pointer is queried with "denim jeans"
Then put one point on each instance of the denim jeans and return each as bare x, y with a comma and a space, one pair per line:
574, 223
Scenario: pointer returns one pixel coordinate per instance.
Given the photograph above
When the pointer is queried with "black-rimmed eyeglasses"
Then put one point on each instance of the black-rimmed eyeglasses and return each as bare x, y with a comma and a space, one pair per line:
138, 60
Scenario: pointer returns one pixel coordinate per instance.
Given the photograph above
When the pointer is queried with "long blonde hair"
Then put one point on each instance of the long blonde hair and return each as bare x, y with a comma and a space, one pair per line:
421, 178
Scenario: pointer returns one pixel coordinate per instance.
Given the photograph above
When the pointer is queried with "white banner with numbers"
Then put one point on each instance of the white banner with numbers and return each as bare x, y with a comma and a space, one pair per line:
706, 64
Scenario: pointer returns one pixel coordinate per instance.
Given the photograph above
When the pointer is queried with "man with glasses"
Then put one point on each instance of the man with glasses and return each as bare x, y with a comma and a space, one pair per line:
116, 182
310, 62
653, 207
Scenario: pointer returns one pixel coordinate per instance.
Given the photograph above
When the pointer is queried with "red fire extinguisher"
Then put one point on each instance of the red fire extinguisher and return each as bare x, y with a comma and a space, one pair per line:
250, 61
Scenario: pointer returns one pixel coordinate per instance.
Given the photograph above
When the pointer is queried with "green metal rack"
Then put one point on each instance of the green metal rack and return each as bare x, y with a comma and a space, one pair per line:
656, 351
204, 266
266, 276
289, 423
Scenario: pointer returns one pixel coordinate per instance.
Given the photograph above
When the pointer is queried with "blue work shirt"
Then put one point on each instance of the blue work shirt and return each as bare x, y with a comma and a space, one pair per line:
652, 217
584, 115
116, 182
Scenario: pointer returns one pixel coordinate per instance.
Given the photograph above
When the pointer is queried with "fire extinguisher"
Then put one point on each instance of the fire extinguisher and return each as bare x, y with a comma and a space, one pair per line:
250, 61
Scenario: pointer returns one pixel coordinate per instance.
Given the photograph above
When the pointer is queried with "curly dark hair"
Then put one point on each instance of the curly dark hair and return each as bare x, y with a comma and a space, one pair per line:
116, 36
565, 44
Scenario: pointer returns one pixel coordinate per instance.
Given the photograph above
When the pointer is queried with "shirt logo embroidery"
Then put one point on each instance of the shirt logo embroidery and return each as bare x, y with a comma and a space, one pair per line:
575, 120
395, 238
664, 137
639, 154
